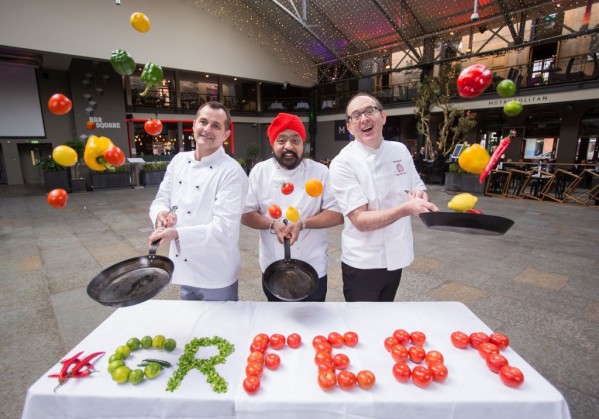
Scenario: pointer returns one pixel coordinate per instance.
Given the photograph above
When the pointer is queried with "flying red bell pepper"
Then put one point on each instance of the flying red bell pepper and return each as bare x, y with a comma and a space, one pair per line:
503, 145
474, 80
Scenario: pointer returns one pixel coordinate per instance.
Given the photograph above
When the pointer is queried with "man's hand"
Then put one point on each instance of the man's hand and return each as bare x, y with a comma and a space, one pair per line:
165, 235
416, 206
166, 219
292, 231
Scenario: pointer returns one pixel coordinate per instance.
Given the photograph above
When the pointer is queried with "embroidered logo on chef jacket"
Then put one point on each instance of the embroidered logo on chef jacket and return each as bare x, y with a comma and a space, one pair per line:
399, 169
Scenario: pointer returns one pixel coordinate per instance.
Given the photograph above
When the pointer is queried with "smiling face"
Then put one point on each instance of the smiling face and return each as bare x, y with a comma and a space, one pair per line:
210, 130
288, 149
366, 129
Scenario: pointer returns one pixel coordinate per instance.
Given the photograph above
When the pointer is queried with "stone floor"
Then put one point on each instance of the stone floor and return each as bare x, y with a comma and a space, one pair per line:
538, 283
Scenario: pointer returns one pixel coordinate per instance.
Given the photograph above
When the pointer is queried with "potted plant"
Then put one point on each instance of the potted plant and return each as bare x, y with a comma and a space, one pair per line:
152, 173
77, 181
457, 181
120, 177
55, 176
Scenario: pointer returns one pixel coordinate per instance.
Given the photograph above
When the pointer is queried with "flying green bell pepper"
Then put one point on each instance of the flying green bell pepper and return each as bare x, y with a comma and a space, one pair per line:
152, 75
94, 153
122, 62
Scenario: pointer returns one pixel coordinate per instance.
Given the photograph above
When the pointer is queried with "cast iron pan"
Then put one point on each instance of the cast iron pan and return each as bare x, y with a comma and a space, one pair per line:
132, 281
463, 222
290, 279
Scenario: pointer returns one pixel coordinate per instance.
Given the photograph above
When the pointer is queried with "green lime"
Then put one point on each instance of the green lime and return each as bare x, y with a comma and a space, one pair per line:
121, 374
133, 344
170, 344
123, 350
146, 342
152, 370
113, 365
136, 376
158, 342
115, 357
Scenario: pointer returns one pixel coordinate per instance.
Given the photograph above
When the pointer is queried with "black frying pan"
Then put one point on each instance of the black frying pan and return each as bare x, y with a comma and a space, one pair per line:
290, 279
132, 281
469, 223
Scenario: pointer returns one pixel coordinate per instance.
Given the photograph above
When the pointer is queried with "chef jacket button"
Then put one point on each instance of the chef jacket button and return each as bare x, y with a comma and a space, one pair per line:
185, 260
211, 167
189, 212
180, 182
176, 256
197, 186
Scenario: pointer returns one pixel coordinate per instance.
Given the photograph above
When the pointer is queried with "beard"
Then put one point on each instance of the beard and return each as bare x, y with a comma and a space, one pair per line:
288, 159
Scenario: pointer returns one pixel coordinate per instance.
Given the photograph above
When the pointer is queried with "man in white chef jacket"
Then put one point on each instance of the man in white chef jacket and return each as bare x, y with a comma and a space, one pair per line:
377, 188
308, 235
197, 210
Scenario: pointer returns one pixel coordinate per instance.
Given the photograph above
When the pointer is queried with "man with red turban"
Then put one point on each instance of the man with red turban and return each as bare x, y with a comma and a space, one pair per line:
308, 234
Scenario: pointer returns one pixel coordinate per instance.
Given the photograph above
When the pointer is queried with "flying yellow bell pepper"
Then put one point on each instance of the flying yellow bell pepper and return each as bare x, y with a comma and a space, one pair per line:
94, 153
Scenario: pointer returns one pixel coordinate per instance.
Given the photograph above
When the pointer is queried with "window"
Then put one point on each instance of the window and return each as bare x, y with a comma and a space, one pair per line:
540, 148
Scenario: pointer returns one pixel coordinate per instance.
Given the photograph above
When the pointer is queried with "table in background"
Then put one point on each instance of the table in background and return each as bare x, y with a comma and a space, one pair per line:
470, 391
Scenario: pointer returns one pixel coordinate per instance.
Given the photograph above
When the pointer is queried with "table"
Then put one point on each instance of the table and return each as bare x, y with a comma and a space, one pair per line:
471, 390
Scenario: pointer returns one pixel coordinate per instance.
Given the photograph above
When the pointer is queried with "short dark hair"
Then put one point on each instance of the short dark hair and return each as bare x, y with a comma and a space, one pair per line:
377, 102
213, 104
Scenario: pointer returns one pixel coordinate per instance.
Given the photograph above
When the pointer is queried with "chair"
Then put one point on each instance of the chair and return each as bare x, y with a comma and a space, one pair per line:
498, 183
516, 183
561, 181
536, 183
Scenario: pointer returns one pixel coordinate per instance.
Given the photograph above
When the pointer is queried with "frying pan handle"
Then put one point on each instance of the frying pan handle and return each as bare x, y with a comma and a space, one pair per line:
154, 247
287, 245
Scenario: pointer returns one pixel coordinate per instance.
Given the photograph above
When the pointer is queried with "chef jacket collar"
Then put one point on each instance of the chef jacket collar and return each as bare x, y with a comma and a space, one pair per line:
369, 150
212, 158
292, 172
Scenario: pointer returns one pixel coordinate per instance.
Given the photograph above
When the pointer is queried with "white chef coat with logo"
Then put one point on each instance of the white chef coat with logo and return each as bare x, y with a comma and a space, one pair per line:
380, 178
209, 195
266, 179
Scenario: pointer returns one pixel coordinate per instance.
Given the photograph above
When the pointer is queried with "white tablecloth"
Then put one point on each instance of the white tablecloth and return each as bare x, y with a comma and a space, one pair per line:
470, 391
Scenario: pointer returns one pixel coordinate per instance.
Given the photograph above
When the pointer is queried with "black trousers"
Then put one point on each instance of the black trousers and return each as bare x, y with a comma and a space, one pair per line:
369, 284
319, 293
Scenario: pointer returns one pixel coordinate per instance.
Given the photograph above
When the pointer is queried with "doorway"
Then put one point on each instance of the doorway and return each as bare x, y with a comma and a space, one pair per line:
29, 156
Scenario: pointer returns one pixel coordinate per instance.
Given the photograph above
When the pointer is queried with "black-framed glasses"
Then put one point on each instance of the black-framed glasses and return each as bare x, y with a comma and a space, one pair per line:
368, 111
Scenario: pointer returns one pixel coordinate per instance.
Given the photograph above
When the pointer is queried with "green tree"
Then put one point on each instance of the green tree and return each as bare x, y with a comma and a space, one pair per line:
435, 94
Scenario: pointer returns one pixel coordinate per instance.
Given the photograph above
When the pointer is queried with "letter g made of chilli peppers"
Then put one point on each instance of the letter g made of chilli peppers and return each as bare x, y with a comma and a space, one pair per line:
122, 62
152, 75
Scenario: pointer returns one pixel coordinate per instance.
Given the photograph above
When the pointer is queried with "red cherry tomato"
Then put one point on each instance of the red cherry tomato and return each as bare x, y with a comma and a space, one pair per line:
418, 338
433, 356
114, 156
499, 339
261, 337
366, 379
277, 341
326, 366
272, 361
259, 346
323, 346
256, 356
439, 371
399, 353
287, 188
511, 376
341, 361
346, 380
322, 356
402, 372
421, 376
350, 339
474, 211
275, 211
318, 339
335, 339
294, 340
474, 80
251, 384
57, 198
327, 380
402, 336
153, 126
487, 348
390, 342
495, 361
254, 368
477, 338
417, 354
460, 340
59, 104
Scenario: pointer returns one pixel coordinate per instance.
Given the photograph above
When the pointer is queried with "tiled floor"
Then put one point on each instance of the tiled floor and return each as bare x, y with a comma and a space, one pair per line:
539, 283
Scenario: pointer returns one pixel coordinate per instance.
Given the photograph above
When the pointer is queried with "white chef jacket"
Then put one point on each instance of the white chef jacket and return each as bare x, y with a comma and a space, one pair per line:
266, 179
380, 178
209, 195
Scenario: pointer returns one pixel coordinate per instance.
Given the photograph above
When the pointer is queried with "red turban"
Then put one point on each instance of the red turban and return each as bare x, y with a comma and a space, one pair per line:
285, 121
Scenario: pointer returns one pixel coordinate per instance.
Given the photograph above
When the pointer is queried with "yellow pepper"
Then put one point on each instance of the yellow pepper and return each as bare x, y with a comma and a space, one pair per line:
94, 150
474, 159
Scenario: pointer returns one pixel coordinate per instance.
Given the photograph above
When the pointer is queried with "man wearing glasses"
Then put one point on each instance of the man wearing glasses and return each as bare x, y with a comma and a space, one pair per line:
377, 188
269, 184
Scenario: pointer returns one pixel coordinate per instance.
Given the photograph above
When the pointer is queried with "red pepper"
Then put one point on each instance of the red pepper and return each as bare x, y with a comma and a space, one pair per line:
474, 80
77, 368
494, 158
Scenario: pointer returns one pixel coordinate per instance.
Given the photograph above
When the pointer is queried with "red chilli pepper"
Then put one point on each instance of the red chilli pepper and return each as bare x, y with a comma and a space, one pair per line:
77, 368
494, 158
76, 371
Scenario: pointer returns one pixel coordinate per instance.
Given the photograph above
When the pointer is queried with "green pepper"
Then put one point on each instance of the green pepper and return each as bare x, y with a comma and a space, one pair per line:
152, 75
122, 62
